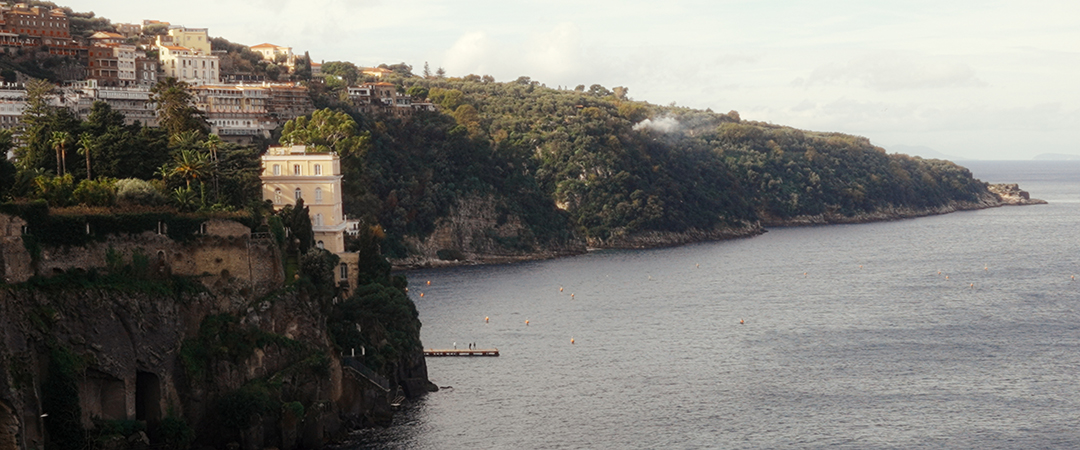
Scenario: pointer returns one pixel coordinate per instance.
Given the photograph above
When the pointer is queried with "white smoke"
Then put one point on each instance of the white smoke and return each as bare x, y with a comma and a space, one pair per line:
666, 124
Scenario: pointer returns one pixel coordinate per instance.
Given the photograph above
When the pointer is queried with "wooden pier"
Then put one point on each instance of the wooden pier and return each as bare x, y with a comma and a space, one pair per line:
466, 352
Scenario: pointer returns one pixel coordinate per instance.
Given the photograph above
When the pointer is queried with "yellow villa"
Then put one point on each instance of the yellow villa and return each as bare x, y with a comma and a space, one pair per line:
292, 173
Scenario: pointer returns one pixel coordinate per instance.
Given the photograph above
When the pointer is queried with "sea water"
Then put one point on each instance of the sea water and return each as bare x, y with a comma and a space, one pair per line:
952, 331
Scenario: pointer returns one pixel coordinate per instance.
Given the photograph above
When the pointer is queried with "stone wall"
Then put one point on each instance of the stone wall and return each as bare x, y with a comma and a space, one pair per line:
14, 259
225, 250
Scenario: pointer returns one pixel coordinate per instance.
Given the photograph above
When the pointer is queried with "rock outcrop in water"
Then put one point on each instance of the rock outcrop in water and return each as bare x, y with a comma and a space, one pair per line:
1011, 194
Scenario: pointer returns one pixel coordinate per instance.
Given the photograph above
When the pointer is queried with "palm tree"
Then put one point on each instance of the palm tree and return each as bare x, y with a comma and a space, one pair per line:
212, 143
86, 145
58, 141
190, 165
188, 139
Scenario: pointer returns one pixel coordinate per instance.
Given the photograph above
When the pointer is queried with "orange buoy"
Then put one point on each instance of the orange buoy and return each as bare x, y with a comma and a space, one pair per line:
741, 322
560, 288
571, 295
697, 265
526, 322
571, 341
486, 319
973, 285
421, 294
429, 282
946, 277
804, 274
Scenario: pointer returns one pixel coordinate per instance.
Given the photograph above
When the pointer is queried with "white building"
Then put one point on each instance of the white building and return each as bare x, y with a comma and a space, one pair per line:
237, 113
131, 101
185, 64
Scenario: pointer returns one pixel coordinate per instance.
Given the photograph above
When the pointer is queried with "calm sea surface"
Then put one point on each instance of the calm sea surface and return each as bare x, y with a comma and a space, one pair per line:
954, 331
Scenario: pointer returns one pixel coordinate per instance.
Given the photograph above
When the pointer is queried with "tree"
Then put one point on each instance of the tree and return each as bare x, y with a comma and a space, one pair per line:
34, 126
325, 130
212, 143
59, 141
599, 90
187, 140
188, 165
440, 73
427, 70
86, 145
401, 69
347, 71
176, 107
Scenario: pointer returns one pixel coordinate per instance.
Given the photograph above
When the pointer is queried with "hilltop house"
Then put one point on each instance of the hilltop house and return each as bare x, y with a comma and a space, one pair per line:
276, 54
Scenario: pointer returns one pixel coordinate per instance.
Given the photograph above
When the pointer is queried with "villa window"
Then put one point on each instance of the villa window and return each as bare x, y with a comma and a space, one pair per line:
296, 169
297, 193
318, 195
318, 220
318, 169
277, 169
344, 271
319, 244
277, 196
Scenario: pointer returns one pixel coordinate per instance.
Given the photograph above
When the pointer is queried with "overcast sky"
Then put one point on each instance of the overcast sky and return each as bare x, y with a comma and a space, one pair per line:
971, 79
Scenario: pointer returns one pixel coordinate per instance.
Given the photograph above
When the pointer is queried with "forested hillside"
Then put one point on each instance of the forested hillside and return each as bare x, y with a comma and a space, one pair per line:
595, 163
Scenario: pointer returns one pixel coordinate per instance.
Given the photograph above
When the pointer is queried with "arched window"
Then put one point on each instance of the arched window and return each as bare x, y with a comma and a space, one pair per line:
277, 195
297, 193
319, 244
318, 194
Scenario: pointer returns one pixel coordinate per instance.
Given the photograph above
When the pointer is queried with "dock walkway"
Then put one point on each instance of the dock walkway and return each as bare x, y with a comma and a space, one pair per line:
466, 352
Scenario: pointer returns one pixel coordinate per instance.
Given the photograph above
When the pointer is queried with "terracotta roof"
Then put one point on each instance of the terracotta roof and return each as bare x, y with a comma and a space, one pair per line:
176, 48
106, 34
265, 45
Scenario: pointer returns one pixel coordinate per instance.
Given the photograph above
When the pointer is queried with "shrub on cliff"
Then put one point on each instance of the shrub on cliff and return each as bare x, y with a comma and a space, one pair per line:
133, 191
382, 319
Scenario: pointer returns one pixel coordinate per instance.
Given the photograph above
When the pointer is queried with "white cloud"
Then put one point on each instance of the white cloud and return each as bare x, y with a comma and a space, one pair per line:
890, 72
472, 53
556, 53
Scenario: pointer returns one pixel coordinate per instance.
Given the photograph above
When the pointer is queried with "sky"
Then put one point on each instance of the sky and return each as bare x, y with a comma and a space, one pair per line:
963, 79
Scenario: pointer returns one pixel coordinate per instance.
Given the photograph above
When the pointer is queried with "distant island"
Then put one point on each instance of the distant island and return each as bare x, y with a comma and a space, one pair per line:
1056, 157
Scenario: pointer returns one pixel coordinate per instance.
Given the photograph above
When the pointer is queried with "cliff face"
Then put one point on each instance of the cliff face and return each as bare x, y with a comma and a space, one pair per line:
475, 232
995, 196
139, 358
225, 354
650, 239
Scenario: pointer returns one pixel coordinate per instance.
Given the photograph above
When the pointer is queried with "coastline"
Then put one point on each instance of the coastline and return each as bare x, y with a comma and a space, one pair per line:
997, 195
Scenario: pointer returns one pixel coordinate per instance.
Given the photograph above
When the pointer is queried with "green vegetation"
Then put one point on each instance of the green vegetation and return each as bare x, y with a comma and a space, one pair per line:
222, 337
614, 167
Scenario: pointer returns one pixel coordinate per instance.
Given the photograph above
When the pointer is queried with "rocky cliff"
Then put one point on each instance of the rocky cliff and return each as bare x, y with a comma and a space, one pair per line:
475, 232
133, 354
